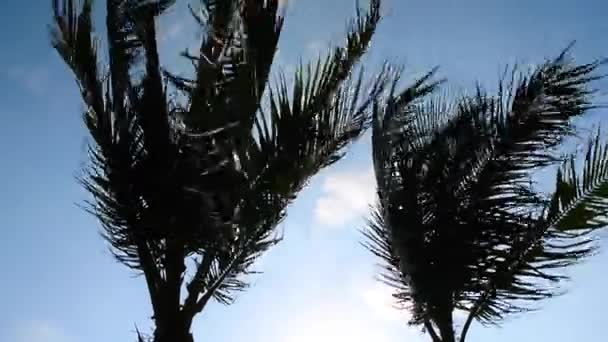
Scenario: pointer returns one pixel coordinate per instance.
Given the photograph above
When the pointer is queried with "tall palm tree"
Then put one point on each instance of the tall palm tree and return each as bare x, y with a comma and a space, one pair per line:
459, 223
200, 170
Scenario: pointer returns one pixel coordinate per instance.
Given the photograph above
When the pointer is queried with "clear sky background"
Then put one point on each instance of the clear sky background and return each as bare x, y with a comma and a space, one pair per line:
58, 282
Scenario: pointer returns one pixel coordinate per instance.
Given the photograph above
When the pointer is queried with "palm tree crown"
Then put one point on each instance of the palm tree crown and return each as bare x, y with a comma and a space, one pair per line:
458, 223
198, 170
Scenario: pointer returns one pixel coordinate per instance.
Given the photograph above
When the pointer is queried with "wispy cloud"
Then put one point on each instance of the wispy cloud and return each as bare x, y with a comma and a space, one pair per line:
40, 331
378, 297
346, 196
330, 321
363, 313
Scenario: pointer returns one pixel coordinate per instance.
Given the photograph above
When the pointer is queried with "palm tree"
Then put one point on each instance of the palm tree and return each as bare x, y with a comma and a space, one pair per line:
200, 170
459, 224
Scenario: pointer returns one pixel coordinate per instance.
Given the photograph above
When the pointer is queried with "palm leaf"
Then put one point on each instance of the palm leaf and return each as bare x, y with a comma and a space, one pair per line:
578, 207
456, 203
207, 177
579, 202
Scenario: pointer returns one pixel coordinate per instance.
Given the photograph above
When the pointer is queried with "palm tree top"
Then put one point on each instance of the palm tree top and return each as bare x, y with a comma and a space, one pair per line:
458, 223
206, 178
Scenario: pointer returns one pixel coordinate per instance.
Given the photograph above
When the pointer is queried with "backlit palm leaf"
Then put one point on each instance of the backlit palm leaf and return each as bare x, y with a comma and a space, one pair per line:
456, 201
205, 179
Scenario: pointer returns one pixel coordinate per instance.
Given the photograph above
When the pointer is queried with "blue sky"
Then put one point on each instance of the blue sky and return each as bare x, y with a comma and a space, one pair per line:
60, 284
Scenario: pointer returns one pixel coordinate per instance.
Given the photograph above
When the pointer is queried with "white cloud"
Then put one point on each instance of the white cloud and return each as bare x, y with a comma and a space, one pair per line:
40, 331
363, 313
378, 297
346, 196
378, 300
330, 321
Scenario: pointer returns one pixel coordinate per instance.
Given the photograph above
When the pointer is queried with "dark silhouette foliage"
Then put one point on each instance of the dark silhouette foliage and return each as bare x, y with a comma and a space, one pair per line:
458, 223
200, 170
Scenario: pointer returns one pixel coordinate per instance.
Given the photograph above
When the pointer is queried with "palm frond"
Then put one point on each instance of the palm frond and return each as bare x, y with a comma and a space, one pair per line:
456, 203
262, 27
207, 176
73, 38
326, 110
560, 238
579, 202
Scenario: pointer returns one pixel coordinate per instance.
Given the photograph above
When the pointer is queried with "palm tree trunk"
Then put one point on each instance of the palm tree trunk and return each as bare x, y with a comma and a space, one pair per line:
173, 324
176, 335
447, 334
444, 322
172, 330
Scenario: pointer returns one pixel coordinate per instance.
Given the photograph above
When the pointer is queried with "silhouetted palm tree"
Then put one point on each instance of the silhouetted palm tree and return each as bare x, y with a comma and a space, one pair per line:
204, 176
458, 222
